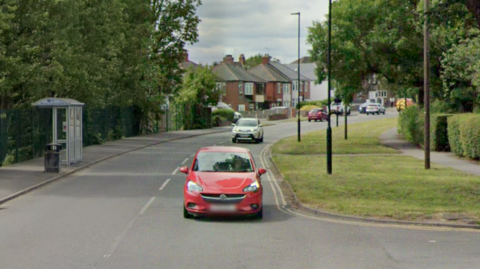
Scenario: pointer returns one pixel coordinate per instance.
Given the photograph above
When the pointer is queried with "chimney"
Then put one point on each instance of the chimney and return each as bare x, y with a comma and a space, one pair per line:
265, 59
241, 59
228, 59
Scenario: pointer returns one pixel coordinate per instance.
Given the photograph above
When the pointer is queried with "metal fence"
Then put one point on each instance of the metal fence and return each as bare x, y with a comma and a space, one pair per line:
186, 117
24, 133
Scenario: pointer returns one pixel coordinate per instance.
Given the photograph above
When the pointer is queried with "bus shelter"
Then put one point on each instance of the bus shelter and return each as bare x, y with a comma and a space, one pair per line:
67, 127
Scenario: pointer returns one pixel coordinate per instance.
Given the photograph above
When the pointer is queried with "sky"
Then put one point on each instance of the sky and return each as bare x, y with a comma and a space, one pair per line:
251, 27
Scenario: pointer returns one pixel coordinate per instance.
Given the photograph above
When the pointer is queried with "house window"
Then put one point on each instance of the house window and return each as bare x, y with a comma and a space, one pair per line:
294, 88
248, 88
383, 93
220, 86
240, 88
279, 89
241, 107
252, 106
301, 84
286, 103
286, 88
307, 86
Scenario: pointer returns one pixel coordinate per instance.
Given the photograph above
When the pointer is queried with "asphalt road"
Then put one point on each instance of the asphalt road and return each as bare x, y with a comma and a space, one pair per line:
127, 213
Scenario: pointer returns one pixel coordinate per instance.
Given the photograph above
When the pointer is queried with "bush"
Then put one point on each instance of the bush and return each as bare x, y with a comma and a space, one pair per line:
411, 124
439, 132
321, 103
224, 113
464, 135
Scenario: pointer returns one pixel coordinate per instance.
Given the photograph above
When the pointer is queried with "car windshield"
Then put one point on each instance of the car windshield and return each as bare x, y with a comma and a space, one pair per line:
247, 123
223, 162
315, 110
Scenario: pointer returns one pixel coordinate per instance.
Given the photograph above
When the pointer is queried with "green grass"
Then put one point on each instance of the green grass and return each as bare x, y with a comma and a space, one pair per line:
383, 186
362, 138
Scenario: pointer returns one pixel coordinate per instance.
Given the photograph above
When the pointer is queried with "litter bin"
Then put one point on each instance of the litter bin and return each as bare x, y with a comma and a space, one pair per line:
52, 158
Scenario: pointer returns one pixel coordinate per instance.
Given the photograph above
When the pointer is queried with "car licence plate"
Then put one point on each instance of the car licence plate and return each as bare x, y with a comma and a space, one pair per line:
223, 208
244, 135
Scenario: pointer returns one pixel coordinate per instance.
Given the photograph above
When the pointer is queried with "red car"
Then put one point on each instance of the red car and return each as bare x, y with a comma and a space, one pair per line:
317, 114
223, 181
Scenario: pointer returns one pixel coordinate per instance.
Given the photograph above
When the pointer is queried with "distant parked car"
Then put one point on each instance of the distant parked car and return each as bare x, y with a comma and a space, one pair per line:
375, 109
339, 108
236, 116
363, 107
317, 114
279, 109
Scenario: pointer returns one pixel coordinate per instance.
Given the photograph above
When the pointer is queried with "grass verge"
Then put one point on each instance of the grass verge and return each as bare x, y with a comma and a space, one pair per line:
382, 186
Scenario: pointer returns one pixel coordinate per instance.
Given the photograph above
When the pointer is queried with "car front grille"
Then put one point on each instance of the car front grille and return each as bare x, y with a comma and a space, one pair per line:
223, 198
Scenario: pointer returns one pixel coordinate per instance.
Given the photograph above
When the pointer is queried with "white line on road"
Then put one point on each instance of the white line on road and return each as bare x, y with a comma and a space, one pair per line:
174, 172
164, 184
185, 161
145, 207
122, 235
193, 155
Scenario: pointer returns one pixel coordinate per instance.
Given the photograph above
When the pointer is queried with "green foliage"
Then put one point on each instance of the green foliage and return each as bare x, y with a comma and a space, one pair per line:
411, 124
461, 74
321, 103
199, 87
253, 60
464, 135
439, 132
224, 113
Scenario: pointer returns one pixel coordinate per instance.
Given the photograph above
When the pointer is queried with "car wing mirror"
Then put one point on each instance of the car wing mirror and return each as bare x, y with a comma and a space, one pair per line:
260, 125
183, 169
262, 171
233, 125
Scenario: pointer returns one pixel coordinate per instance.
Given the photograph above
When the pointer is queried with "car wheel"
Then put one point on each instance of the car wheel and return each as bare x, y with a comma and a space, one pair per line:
234, 140
260, 213
378, 113
261, 139
309, 120
186, 214
383, 112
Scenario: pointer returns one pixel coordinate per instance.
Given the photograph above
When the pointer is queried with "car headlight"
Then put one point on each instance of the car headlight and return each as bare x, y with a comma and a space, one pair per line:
194, 187
252, 188
253, 130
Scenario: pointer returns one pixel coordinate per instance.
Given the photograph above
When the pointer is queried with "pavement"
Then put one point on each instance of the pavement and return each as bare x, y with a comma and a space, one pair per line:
21, 178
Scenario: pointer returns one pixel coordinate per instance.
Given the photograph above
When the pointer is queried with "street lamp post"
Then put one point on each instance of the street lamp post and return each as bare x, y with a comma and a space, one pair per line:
298, 71
329, 128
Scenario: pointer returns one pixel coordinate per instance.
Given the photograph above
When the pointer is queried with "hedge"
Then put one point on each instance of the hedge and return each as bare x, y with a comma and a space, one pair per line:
411, 124
464, 135
224, 113
439, 132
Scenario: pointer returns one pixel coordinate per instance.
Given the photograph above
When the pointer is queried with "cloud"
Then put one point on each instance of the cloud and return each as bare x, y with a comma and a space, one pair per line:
254, 26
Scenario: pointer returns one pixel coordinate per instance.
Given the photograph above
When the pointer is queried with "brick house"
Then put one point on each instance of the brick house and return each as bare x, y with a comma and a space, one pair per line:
279, 81
242, 90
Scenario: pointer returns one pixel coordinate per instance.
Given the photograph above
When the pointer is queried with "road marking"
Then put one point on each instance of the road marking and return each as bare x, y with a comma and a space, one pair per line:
185, 161
145, 207
164, 184
174, 172
271, 177
193, 155
123, 234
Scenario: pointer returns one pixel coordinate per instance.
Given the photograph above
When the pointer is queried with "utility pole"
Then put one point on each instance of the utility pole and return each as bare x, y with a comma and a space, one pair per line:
426, 85
329, 128
298, 81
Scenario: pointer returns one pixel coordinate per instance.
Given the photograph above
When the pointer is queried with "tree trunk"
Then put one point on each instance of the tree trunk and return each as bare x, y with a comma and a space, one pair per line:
474, 7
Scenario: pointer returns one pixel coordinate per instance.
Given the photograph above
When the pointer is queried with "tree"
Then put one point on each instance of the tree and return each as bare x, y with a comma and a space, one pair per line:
199, 87
253, 61
175, 24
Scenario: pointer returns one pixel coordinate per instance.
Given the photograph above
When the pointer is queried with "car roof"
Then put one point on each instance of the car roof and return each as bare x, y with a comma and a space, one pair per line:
224, 149
245, 119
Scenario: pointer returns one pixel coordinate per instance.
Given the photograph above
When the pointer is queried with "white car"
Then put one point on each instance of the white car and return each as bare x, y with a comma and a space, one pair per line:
375, 109
247, 129
339, 108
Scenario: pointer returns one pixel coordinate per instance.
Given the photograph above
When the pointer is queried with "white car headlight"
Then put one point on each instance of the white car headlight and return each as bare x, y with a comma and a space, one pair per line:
193, 187
252, 188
